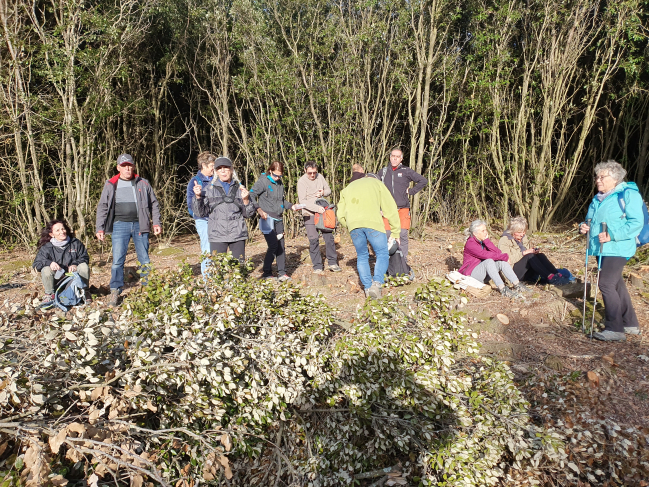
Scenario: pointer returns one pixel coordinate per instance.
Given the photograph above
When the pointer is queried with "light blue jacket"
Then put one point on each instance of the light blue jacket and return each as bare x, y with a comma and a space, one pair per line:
623, 230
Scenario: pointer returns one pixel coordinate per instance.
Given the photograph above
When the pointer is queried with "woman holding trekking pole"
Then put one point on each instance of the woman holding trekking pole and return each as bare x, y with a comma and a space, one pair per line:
616, 218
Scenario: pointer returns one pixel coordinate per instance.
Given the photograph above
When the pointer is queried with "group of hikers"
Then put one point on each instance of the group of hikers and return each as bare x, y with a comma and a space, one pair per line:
373, 207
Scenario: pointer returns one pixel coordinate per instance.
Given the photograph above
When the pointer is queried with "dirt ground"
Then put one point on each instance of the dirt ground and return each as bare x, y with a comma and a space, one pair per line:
544, 347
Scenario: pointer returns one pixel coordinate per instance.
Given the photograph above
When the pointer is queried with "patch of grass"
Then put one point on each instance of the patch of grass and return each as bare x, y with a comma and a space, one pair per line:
166, 252
14, 265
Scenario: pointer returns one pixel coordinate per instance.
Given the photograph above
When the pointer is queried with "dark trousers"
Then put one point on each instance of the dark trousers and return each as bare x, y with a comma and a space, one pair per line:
275, 250
313, 234
238, 248
531, 266
617, 302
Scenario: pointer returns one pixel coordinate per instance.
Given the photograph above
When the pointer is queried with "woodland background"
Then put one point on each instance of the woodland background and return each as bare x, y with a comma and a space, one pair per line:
505, 106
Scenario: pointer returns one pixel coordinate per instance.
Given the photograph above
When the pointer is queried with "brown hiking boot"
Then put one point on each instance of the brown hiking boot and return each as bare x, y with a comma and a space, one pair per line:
114, 298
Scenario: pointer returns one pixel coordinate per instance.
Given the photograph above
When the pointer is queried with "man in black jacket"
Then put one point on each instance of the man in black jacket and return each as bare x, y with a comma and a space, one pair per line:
397, 178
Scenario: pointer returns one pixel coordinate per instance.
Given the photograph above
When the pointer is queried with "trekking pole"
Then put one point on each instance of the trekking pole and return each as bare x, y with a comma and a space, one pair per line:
583, 317
599, 268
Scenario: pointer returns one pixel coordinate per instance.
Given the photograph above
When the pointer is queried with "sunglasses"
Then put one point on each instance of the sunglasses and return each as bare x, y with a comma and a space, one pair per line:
276, 176
311, 173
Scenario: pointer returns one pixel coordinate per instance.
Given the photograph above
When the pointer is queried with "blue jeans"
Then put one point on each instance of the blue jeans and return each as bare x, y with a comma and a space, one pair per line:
122, 234
379, 242
201, 228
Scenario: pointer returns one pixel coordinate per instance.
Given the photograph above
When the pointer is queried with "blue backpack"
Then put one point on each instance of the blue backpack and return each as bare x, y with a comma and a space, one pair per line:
643, 238
70, 292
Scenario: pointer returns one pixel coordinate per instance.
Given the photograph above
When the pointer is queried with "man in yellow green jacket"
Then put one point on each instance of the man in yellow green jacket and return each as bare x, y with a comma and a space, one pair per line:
361, 209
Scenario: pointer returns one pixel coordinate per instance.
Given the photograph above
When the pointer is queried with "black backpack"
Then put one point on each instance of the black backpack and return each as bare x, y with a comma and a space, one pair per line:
398, 265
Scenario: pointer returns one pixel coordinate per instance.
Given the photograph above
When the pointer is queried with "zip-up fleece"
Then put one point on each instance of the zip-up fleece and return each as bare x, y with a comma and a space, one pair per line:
74, 253
398, 182
361, 204
622, 229
508, 245
203, 180
475, 251
268, 195
226, 213
147, 206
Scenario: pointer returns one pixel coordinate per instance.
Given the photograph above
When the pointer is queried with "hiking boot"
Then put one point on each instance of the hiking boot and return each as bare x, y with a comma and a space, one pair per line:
632, 330
610, 336
284, 277
114, 298
47, 299
319, 272
509, 293
335, 268
411, 276
88, 296
374, 291
522, 288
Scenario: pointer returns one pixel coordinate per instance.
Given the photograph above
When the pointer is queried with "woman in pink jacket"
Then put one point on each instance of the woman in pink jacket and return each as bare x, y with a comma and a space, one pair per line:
483, 259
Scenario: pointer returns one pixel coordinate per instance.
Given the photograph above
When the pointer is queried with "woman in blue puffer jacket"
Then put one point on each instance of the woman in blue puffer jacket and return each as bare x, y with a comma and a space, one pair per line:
619, 205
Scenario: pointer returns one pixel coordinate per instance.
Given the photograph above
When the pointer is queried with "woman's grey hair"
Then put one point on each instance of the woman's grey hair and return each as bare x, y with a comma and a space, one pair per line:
517, 224
613, 168
475, 224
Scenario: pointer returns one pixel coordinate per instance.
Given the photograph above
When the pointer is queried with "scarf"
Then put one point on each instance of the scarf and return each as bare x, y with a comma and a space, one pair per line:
511, 237
602, 196
58, 243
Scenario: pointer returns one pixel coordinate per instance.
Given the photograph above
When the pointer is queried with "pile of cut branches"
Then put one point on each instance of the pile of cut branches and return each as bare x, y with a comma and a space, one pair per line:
236, 381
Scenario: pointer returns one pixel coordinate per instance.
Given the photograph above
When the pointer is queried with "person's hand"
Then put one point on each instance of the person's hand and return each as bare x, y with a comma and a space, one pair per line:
529, 251
294, 208
398, 241
319, 193
54, 266
197, 189
100, 235
321, 209
72, 268
244, 193
604, 237
262, 213
583, 228
157, 229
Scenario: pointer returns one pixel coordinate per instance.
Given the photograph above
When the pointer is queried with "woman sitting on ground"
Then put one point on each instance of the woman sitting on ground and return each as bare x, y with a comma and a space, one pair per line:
528, 263
483, 259
59, 252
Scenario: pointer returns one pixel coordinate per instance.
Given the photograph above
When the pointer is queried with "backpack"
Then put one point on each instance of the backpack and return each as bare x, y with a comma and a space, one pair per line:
398, 265
70, 292
643, 238
325, 222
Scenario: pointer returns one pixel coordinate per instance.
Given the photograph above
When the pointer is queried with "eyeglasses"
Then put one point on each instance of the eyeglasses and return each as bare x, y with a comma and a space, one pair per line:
601, 178
277, 176
312, 173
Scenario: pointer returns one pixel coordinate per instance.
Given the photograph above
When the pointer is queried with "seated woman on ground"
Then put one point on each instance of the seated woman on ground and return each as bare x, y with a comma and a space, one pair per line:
59, 252
483, 259
528, 263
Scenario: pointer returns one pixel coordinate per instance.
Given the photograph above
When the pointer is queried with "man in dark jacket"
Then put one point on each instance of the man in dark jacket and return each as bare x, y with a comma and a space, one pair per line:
397, 178
125, 209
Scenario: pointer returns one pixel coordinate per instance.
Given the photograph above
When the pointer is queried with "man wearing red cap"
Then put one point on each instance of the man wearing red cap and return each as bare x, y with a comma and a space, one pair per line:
126, 208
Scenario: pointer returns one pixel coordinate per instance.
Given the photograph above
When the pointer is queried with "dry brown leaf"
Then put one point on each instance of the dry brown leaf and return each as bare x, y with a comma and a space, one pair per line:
3, 447
593, 378
77, 428
137, 481
94, 416
93, 480
226, 442
56, 441
609, 359
185, 470
59, 481
503, 318
151, 407
97, 393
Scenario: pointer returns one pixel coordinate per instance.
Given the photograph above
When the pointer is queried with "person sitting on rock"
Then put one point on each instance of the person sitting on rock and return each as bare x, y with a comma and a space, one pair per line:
483, 259
528, 263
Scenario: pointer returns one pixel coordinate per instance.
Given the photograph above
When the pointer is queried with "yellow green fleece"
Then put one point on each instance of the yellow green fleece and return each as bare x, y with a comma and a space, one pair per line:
362, 202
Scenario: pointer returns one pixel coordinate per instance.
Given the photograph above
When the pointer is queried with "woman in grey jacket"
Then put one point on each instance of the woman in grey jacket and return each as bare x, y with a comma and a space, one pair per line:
226, 204
268, 196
